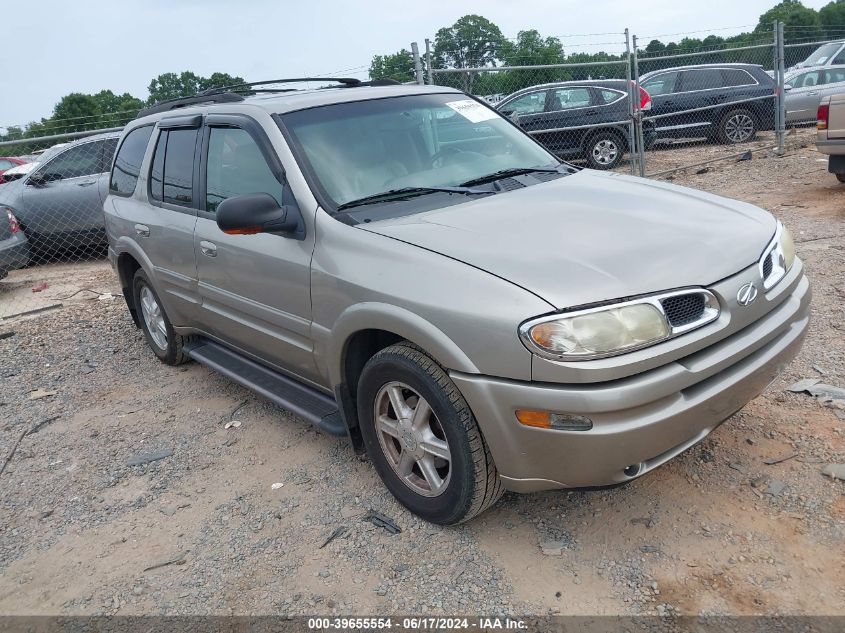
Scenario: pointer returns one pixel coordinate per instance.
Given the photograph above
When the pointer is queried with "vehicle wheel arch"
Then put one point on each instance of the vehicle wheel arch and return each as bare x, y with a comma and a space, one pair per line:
364, 330
129, 259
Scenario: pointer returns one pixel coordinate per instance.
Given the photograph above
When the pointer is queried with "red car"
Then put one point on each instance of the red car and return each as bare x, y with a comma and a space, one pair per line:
7, 162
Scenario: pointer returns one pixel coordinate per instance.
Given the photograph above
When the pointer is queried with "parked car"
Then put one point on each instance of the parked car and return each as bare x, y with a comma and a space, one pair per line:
14, 248
830, 135
16, 173
804, 90
471, 312
728, 103
830, 54
578, 119
8, 162
59, 204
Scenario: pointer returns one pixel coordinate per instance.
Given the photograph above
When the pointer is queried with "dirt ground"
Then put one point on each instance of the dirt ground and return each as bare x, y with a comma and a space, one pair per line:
204, 530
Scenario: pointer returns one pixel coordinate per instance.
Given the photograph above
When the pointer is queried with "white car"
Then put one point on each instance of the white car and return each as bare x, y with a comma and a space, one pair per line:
830, 54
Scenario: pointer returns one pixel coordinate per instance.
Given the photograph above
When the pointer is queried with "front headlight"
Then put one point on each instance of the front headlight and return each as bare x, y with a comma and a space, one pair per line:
616, 329
778, 257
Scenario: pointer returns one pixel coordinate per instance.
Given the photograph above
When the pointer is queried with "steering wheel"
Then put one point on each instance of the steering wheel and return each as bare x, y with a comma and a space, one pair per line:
443, 154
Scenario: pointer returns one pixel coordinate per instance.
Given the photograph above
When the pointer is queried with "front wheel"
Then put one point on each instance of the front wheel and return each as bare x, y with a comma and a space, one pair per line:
604, 150
423, 439
737, 126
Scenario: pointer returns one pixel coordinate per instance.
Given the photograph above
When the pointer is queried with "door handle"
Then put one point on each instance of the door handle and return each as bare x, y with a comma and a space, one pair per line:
814, 92
86, 184
143, 230
209, 249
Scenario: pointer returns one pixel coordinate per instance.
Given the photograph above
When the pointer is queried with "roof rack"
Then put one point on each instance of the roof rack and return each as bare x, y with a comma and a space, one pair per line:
233, 93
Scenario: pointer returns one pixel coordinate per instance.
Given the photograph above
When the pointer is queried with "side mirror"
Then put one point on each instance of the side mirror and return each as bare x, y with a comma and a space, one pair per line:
787, 87
254, 213
506, 112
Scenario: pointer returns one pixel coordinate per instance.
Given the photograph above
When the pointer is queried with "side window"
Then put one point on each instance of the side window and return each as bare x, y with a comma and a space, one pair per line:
834, 75
568, 98
127, 164
82, 160
609, 96
179, 167
807, 80
531, 103
157, 168
737, 77
840, 57
236, 166
702, 79
662, 84
5, 164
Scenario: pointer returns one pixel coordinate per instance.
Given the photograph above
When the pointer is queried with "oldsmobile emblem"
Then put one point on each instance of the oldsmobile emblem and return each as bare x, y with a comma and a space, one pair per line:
747, 294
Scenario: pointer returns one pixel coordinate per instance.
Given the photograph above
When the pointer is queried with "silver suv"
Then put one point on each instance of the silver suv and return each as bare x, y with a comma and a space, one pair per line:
403, 266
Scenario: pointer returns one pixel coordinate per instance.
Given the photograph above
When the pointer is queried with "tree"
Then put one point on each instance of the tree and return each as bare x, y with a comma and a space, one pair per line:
832, 17
472, 41
531, 49
800, 22
186, 84
398, 66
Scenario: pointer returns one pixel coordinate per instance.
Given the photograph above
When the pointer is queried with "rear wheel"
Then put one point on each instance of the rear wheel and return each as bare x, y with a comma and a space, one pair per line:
737, 126
604, 150
165, 343
840, 177
423, 439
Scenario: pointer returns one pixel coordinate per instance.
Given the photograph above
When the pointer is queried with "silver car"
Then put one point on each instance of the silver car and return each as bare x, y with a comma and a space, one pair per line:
403, 266
806, 88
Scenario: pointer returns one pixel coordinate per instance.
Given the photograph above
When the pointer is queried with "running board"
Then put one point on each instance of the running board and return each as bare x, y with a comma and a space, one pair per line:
314, 406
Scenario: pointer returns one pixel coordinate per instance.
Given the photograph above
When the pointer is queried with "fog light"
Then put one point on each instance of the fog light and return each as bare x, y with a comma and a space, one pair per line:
554, 421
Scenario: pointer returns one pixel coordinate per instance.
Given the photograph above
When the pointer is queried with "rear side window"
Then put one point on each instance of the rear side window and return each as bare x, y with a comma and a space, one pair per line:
127, 164
609, 96
702, 79
835, 75
236, 166
737, 77
179, 167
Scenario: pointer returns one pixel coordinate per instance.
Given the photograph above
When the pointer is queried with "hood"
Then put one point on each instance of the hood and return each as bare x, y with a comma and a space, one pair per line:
594, 236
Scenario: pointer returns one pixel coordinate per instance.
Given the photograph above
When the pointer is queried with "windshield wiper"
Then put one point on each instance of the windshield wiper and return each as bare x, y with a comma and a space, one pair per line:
407, 192
505, 173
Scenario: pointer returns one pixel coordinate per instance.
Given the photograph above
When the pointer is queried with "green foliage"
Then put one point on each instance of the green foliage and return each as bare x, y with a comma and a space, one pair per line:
186, 84
398, 66
832, 18
472, 41
799, 22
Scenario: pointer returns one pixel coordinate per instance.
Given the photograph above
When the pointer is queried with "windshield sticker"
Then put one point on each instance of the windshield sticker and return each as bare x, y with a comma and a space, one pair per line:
472, 110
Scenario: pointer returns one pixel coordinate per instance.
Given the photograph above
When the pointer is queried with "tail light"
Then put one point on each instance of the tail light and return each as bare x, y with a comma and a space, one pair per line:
822, 116
645, 98
13, 221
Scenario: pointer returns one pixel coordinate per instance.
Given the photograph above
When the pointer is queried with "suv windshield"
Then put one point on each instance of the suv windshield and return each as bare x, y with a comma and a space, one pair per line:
363, 148
822, 54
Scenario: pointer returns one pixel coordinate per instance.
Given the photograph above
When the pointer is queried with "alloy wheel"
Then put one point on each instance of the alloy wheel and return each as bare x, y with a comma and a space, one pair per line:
739, 127
412, 439
605, 152
153, 317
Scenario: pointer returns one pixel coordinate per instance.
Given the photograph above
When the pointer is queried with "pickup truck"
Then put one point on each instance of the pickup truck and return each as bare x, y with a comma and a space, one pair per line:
830, 135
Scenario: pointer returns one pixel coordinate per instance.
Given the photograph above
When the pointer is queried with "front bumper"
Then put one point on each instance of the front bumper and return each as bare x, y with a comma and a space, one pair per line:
641, 421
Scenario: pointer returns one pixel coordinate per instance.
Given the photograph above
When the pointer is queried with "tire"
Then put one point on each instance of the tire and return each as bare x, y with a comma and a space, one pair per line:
737, 126
840, 177
604, 150
469, 481
165, 343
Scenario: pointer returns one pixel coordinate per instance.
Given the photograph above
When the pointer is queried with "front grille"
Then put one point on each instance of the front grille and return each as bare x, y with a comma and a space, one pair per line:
684, 309
767, 266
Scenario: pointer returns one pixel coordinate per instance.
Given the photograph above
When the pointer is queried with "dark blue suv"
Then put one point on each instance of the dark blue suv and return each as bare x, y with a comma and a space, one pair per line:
579, 119
728, 103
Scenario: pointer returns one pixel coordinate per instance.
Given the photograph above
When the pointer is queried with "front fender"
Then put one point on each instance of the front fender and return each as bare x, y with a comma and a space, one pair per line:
390, 318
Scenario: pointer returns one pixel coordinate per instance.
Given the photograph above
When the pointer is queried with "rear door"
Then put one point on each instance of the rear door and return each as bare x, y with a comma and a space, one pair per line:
569, 110
701, 88
66, 210
802, 99
255, 289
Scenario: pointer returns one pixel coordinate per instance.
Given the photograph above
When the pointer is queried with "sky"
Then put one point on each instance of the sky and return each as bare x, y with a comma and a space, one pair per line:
95, 45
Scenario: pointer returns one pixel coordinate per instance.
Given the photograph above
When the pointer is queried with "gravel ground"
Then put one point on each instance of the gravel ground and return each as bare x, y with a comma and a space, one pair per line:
204, 529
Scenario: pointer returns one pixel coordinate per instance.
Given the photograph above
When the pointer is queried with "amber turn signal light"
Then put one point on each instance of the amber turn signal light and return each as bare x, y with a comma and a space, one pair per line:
553, 421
